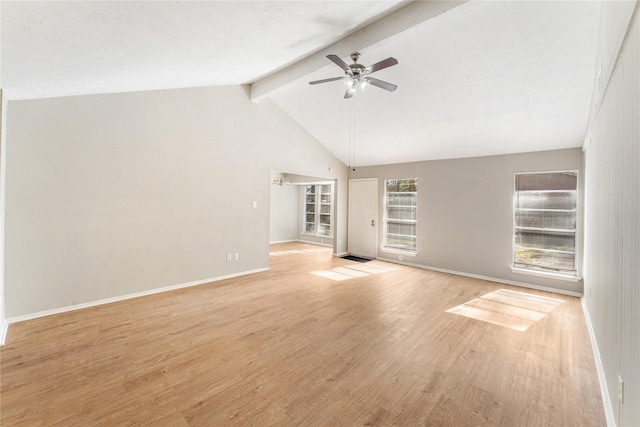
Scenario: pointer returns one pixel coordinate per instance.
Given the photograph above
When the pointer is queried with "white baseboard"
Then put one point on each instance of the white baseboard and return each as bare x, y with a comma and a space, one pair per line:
490, 279
606, 400
128, 296
341, 254
313, 242
5, 329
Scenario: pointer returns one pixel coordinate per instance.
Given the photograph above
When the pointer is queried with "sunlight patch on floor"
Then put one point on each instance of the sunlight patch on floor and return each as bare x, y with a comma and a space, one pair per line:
298, 251
354, 270
515, 310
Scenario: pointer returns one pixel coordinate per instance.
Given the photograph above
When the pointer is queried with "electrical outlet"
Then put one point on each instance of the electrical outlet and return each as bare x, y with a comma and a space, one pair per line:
236, 256
621, 389
229, 257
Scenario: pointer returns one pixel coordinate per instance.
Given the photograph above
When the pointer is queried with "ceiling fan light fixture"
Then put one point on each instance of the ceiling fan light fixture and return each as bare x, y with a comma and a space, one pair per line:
357, 75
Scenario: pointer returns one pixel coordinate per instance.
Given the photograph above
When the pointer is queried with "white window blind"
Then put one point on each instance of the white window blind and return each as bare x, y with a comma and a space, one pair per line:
400, 221
545, 213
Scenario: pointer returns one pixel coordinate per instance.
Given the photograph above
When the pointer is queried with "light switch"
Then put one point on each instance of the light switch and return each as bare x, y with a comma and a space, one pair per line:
255, 205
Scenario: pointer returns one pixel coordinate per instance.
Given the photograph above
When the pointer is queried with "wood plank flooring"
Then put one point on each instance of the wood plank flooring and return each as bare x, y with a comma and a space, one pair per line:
287, 347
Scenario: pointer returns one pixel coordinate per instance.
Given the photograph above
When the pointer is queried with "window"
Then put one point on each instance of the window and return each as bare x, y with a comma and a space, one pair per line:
401, 202
545, 211
317, 209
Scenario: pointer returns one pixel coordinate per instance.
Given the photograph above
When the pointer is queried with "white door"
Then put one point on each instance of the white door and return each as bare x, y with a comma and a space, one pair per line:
363, 217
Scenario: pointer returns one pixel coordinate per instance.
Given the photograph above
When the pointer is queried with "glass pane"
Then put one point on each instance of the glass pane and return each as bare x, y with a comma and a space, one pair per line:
547, 200
324, 230
546, 261
326, 189
401, 199
311, 198
310, 208
325, 209
310, 189
401, 242
401, 213
546, 219
547, 181
325, 198
402, 185
406, 229
310, 228
325, 219
310, 218
546, 240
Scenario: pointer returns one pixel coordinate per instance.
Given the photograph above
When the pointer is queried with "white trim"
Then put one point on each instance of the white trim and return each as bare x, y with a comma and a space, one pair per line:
129, 296
329, 245
490, 279
3, 199
606, 401
549, 275
5, 329
341, 254
311, 183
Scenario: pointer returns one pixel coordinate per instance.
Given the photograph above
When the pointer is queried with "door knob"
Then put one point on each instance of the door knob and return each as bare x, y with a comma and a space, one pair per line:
373, 224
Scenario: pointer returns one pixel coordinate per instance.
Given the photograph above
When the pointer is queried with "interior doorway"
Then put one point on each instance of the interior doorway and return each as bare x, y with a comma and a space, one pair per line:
302, 208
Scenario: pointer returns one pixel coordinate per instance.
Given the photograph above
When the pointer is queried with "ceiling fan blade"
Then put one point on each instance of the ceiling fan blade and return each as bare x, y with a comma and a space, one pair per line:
339, 62
382, 84
332, 79
349, 94
381, 65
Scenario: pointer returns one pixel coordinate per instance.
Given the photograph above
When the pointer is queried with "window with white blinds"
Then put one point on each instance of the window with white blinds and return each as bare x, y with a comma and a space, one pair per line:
545, 217
400, 220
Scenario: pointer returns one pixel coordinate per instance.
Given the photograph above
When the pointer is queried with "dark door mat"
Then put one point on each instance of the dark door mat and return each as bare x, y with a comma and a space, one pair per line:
355, 258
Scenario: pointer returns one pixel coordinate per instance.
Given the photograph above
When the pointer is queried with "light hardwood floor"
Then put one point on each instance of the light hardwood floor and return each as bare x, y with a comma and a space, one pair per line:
288, 347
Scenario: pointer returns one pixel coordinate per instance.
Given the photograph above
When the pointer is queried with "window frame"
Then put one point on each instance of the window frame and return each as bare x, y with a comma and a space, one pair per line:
318, 210
385, 221
568, 276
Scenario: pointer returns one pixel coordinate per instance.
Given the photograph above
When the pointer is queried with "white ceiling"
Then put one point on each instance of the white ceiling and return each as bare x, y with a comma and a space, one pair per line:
481, 78
61, 48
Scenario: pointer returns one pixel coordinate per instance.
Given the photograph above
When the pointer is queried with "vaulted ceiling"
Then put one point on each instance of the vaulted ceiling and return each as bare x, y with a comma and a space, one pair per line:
474, 78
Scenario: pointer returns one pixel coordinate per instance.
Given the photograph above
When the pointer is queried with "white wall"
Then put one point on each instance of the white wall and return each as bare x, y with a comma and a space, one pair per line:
465, 212
284, 213
109, 195
612, 216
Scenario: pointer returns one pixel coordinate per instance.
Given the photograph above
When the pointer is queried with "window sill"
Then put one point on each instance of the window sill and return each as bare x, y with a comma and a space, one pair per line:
399, 251
557, 276
316, 235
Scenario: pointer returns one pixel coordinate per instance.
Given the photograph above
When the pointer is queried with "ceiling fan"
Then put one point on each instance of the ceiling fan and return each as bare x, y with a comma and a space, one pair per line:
358, 75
